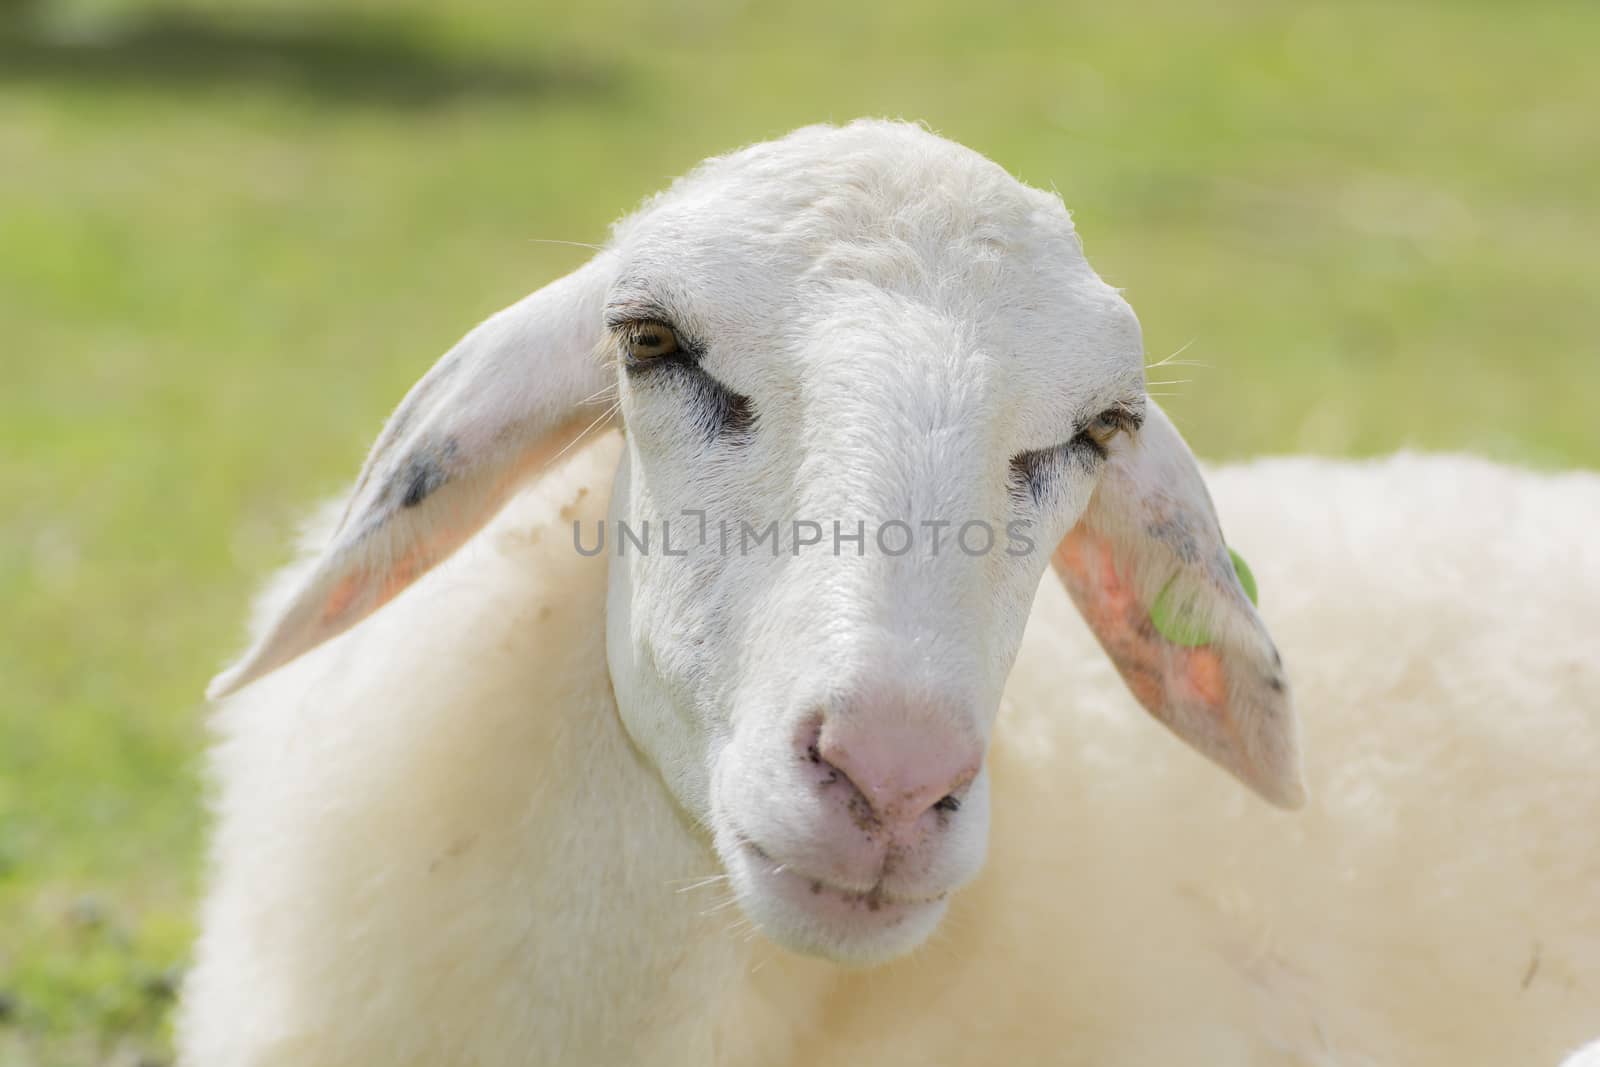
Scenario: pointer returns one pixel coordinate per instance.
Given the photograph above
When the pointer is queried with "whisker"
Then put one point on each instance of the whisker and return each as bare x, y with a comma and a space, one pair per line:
554, 241
718, 908
694, 879
608, 392
740, 926
1170, 359
721, 905
701, 883
587, 430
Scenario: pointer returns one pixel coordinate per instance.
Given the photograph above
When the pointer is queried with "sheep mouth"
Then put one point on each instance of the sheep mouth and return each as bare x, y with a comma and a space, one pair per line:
854, 927
875, 898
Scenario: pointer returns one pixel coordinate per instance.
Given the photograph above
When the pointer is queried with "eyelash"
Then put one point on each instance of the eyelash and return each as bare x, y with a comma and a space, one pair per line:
722, 413
687, 353
1033, 473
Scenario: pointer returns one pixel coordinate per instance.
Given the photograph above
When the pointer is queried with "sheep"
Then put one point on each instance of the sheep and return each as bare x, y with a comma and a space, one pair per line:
1588, 1056
741, 816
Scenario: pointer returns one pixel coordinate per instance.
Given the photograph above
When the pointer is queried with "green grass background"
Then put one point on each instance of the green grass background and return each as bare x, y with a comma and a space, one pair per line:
231, 234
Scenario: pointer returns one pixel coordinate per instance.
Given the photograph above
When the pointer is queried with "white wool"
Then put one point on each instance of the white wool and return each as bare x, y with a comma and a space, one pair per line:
437, 845
1588, 1056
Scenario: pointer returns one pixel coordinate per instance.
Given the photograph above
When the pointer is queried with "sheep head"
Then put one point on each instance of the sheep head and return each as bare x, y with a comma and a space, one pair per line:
871, 391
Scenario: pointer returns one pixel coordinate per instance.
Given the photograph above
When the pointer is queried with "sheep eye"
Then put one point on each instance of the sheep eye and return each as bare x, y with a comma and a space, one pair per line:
643, 342
1106, 425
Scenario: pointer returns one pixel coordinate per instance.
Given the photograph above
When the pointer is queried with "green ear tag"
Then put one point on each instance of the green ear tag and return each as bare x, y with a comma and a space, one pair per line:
1178, 625
1246, 579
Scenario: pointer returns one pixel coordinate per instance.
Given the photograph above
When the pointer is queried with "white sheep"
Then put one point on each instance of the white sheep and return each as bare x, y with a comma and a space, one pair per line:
1588, 1056
493, 825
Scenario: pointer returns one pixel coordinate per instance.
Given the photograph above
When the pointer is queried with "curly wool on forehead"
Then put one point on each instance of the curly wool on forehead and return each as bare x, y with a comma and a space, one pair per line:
872, 179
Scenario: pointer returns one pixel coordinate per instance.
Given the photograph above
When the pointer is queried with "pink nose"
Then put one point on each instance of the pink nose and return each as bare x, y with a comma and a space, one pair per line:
902, 767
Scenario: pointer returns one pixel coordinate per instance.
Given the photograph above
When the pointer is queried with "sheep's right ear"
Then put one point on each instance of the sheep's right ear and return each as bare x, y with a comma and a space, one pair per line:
505, 400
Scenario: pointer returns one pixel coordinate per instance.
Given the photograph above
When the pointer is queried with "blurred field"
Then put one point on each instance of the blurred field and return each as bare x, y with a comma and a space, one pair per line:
232, 234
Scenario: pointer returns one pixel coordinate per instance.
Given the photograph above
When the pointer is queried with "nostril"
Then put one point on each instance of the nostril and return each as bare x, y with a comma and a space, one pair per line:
831, 774
808, 738
810, 742
899, 769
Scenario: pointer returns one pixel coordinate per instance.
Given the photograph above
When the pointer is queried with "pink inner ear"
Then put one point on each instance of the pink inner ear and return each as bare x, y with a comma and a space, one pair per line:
344, 594
353, 592
1160, 674
350, 592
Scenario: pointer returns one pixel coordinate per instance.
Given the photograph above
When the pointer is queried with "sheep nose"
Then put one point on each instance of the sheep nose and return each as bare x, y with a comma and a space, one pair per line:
902, 768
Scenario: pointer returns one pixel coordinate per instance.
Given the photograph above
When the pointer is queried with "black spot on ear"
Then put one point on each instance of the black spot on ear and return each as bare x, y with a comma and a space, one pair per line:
1175, 530
422, 473
421, 481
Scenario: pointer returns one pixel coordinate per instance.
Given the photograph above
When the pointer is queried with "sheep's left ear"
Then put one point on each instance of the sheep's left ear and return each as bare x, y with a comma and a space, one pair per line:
1149, 570
510, 396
